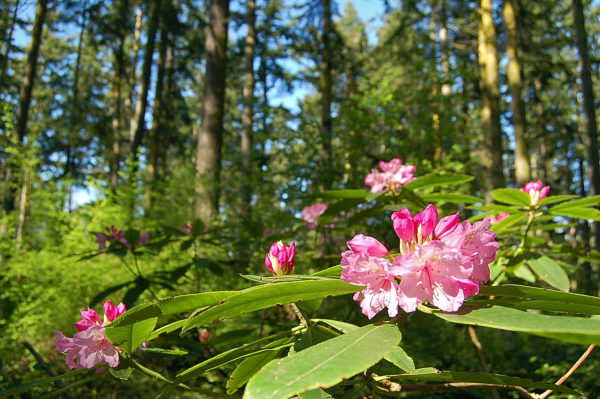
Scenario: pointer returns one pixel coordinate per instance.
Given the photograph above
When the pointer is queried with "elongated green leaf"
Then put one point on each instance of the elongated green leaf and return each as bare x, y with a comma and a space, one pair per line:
482, 378
398, 357
338, 325
166, 329
551, 272
221, 359
129, 337
582, 202
315, 394
454, 198
168, 306
435, 180
359, 194
511, 196
333, 272
325, 364
578, 213
508, 222
524, 291
32, 384
556, 198
497, 208
264, 296
577, 330
549, 306
252, 364
524, 273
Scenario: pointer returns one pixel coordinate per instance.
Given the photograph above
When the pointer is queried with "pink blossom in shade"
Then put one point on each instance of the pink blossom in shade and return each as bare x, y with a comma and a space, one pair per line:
101, 240
535, 191
376, 180
501, 216
280, 258
95, 348
367, 245
310, 214
204, 337
187, 228
435, 273
381, 289
65, 346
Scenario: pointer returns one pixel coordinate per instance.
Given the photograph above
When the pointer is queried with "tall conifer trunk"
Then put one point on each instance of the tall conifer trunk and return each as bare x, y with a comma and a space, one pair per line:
490, 99
7, 45
210, 137
326, 96
522, 168
247, 114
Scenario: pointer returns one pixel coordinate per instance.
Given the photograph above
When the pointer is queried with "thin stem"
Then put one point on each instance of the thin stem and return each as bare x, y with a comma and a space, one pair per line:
301, 318
128, 267
479, 349
570, 372
136, 263
530, 218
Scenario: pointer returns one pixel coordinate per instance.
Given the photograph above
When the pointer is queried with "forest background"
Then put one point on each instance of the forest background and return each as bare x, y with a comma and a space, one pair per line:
149, 114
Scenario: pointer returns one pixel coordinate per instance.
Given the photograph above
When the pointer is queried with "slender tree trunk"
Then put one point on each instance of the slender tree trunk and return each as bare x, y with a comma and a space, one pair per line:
589, 111
7, 45
522, 167
490, 99
138, 127
210, 137
326, 96
22, 210
137, 34
247, 114
25, 95
157, 129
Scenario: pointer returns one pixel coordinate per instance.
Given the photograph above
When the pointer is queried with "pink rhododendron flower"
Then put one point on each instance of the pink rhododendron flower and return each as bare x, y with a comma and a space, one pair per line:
535, 191
442, 262
187, 228
204, 337
112, 235
393, 174
310, 214
280, 258
89, 346
381, 289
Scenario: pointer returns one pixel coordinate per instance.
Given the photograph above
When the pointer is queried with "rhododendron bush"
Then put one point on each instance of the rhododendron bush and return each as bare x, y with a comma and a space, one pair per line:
438, 257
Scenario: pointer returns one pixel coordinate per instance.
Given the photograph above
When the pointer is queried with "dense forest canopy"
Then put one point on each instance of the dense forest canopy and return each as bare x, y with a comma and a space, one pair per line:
151, 149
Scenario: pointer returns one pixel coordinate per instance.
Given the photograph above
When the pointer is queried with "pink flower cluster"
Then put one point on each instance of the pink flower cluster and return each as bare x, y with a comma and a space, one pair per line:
89, 346
187, 228
392, 175
114, 235
442, 262
280, 258
535, 191
310, 214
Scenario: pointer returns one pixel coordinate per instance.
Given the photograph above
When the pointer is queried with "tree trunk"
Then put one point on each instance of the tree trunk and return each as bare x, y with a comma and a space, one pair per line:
25, 96
137, 34
326, 95
490, 99
589, 111
138, 127
247, 115
522, 167
7, 45
210, 137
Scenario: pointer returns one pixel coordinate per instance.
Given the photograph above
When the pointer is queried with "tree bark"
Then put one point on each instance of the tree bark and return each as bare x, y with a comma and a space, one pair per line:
522, 167
8, 44
490, 98
247, 114
326, 96
137, 34
138, 127
589, 112
210, 137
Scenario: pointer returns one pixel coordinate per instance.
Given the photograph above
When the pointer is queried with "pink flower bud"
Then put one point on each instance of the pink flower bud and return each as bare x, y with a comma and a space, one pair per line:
427, 219
111, 312
204, 337
446, 225
280, 258
403, 224
535, 191
362, 244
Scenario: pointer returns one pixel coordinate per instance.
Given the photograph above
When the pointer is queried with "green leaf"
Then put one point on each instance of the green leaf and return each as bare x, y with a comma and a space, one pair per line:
166, 329
267, 295
359, 194
550, 272
222, 359
507, 222
556, 198
398, 357
32, 384
578, 213
314, 394
129, 337
132, 236
577, 330
325, 364
333, 272
524, 273
430, 374
122, 373
511, 196
454, 198
436, 180
338, 325
513, 210
252, 364
524, 291
582, 202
